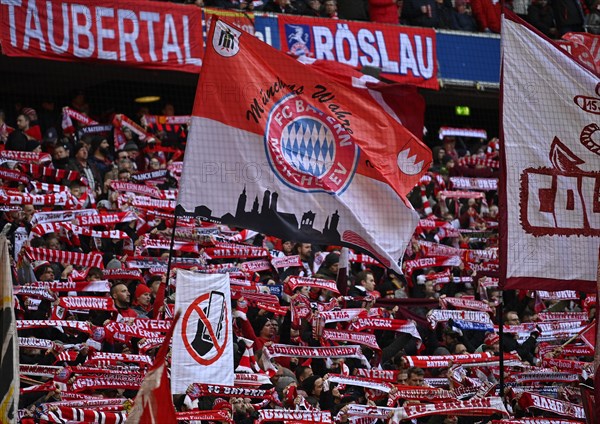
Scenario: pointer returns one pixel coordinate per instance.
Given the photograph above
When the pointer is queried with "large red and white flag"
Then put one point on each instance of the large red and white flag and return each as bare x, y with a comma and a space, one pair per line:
203, 343
551, 178
285, 149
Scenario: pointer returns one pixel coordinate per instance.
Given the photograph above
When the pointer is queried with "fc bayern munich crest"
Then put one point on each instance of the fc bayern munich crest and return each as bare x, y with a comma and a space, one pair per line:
308, 150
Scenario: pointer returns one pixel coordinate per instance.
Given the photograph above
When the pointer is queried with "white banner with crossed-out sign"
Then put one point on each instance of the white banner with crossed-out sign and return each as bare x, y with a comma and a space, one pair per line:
202, 342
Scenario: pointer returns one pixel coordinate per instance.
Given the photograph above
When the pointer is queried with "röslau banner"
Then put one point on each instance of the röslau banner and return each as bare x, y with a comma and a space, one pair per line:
551, 179
403, 54
303, 152
138, 33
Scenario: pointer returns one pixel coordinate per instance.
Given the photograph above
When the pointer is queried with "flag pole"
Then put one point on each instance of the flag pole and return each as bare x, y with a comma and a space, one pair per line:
165, 286
171, 250
597, 350
596, 316
499, 314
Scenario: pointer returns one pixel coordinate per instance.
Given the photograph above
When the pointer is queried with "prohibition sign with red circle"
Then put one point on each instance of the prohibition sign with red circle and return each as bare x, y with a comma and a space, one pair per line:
195, 307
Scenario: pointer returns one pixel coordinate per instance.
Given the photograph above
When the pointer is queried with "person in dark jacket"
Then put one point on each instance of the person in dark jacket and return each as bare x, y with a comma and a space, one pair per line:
462, 19
541, 16
568, 15
423, 13
354, 10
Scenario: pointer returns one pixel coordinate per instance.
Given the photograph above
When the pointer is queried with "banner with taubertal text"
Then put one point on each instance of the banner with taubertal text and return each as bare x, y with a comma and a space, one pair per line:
147, 34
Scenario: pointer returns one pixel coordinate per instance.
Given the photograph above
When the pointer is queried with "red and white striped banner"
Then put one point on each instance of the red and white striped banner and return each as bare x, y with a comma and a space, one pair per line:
55, 199
61, 256
63, 414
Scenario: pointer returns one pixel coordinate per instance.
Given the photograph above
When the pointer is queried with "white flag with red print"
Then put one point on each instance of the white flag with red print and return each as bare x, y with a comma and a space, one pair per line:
551, 148
203, 341
282, 148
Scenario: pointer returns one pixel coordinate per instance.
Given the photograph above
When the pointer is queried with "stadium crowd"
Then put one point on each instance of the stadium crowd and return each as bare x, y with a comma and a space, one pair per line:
88, 208
553, 18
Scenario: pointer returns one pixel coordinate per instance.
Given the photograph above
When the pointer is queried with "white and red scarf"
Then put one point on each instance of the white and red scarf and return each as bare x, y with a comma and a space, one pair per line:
555, 406
466, 183
218, 415
442, 361
463, 303
82, 326
473, 407
289, 351
440, 261
298, 417
106, 358
230, 251
13, 175
320, 283
198, 390
87, 303
61, 256
63, 415
68, 114
24, 157
255, 266
435, 316
100, 286
366, 339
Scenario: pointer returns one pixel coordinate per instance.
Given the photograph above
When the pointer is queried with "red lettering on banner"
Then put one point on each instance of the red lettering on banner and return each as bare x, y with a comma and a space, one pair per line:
151, 35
